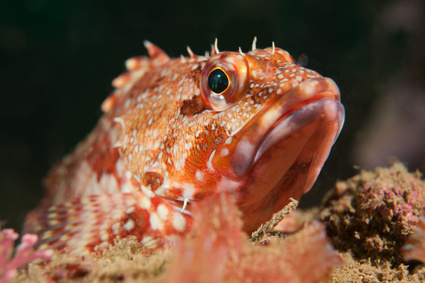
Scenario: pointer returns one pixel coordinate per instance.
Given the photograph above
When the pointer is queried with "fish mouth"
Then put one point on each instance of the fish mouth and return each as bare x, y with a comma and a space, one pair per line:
321, 108
280, 152
313, 99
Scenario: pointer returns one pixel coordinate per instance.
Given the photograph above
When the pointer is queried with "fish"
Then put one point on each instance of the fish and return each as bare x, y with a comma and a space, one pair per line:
175, 131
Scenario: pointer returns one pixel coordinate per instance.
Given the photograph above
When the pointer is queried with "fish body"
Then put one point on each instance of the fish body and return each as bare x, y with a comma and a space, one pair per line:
175, 131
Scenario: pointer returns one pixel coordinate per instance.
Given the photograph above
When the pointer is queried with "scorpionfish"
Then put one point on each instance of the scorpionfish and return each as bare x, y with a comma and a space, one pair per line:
255, 125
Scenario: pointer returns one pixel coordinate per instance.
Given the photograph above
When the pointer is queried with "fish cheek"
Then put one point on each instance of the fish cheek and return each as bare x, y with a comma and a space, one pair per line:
192, 106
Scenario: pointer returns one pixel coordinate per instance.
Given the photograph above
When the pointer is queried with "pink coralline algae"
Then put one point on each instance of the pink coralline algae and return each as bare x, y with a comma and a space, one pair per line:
372, 213
218, 237
24, 253
218, 252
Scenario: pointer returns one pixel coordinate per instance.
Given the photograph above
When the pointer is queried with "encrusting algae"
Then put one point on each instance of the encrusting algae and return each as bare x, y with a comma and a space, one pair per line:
372, 214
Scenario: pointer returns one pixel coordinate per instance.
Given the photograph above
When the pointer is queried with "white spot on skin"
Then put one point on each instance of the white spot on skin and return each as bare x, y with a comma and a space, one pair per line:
155, 222
179, 222
145, 203
116, 228
162, 211
224, 152
149, 194
230, 59
199, 176
129, 225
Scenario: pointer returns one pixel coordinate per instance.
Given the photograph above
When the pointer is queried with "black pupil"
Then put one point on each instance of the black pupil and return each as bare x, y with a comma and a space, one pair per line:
218, 81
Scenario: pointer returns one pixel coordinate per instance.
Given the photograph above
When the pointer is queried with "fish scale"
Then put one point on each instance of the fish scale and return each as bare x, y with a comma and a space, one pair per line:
168, 137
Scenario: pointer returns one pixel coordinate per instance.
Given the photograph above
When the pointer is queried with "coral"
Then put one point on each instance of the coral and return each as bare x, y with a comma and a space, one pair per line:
202, 257
126, 260
220, 253
372, 213
306, 256
24, 253
364, 271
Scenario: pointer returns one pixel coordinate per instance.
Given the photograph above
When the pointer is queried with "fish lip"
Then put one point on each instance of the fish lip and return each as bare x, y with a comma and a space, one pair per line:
335, 111
252, 143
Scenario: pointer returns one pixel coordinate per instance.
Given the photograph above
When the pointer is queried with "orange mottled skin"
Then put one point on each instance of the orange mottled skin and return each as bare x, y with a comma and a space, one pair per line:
168, 137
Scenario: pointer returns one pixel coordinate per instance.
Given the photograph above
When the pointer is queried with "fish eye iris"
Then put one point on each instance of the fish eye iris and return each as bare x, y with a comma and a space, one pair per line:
218, 81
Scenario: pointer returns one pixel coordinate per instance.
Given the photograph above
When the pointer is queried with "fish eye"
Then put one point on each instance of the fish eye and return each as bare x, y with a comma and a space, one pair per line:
224, 81
218, 80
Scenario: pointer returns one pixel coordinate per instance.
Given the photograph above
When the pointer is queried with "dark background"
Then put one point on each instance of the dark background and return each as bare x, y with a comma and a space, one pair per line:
57, 59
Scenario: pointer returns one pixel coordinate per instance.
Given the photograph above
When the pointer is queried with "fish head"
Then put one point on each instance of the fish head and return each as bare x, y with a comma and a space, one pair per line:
254, 124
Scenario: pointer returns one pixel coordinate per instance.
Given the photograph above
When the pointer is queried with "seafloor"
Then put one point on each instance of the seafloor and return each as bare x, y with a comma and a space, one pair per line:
360, 233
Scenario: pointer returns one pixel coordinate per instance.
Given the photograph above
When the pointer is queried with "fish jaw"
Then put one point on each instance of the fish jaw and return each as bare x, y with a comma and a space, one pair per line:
279, 154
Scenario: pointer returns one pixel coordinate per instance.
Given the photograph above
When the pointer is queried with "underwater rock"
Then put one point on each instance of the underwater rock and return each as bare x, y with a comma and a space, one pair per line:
372, 213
